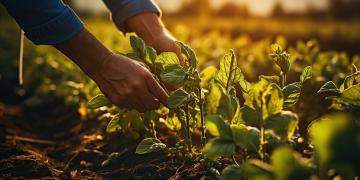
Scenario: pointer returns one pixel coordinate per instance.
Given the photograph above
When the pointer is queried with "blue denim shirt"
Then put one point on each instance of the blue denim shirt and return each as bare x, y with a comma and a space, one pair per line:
52, 21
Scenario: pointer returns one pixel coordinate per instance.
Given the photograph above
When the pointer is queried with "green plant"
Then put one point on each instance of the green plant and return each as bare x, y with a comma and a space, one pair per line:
347, 97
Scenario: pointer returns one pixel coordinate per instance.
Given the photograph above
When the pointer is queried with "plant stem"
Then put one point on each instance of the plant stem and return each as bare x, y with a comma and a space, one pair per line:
188, 127
235, 162
203, 130
283, 75
262, 130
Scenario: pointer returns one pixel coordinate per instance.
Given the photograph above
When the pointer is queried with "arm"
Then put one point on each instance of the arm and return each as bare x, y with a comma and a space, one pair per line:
124, 81
143, 18
127, 83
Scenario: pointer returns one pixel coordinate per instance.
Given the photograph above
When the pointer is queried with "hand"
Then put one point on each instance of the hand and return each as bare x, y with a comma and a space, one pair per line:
164, 42
149, 27
128, 84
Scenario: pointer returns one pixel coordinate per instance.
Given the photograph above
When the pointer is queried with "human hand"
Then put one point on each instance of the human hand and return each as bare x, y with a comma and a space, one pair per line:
128, 84
149, 27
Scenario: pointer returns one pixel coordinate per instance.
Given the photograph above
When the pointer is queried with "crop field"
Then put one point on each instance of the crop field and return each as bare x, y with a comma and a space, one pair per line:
277, 106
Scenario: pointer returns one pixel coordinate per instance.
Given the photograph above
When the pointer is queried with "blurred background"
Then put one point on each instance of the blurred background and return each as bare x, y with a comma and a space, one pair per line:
334, 23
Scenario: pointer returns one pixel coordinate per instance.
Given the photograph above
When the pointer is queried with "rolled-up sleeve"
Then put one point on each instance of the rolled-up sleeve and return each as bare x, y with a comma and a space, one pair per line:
124, 9
44, 21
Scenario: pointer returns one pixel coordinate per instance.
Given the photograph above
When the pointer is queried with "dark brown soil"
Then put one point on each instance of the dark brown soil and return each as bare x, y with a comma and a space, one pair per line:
56, 143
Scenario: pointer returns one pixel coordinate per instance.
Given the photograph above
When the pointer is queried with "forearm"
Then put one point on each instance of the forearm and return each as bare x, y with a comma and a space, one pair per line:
147, 25
86, 51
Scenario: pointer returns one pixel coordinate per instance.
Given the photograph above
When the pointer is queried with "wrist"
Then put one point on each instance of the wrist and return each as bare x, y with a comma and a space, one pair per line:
148, 26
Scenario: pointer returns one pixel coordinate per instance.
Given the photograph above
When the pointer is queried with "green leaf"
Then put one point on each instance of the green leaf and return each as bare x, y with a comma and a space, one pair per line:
189, 53
218, 127
352, 80
246, 137
273, 100
98, 101
283, 124
250, 116
219, 147
166, 59
149, 145
151, 55
352, 95
114, 125
173, 74
244, 84
270, 79
229, 73
213, 99
289, 165
256, 169
291, 94
227, 106
306, 74
354, 69
133, 55
232, 172
253, 98
172, 122
281, 58
335, 138
138, 46
329, 87
207, 74
178, 98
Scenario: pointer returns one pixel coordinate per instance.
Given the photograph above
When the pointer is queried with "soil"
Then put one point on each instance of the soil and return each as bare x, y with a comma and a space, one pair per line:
53, 143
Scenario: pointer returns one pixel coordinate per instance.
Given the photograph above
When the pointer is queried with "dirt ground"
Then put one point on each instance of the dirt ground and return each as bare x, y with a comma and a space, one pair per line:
55, 143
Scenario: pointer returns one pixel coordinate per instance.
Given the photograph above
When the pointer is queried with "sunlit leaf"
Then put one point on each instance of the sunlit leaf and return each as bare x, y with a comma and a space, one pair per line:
114, 125
352, 95
138, 46
272, 100
281, 58
229, 73
329, 87
352, 80
173, 74
213, 99
218, 127
166, 59
149, 145
98, 101
283, 124
173, 123
219, 147
354, 69
178, 98
246, 137
291, 94
306, 74
271, 79
244, 84
227, 106
189, 53
207, 74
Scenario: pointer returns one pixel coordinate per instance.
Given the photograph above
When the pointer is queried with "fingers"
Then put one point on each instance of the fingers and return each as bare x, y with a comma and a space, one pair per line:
177, 51
147, 99
156, 90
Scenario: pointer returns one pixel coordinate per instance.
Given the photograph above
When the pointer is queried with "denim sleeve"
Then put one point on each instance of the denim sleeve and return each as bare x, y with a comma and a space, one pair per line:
44, 21
123, 9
